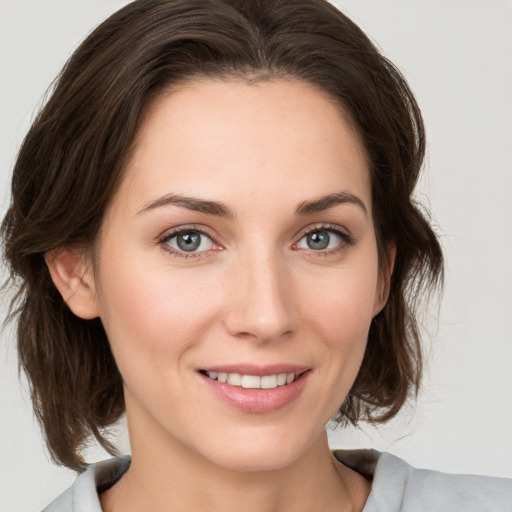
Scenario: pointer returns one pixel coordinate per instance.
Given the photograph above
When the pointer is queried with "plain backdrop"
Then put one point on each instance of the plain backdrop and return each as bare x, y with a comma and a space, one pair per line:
457, 56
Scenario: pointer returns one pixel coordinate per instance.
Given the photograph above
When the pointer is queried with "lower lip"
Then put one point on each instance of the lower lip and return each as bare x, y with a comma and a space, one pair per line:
257, 400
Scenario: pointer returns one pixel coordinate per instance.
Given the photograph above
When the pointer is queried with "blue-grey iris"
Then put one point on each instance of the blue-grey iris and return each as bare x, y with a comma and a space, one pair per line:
318, 240
189, 241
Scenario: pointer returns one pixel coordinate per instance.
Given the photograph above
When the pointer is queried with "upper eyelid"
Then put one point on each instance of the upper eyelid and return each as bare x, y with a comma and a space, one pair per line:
172, 232
319, 227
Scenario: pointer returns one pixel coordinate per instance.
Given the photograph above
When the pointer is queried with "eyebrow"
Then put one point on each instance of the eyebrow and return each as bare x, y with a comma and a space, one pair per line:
326, 202
221, 210
191, 203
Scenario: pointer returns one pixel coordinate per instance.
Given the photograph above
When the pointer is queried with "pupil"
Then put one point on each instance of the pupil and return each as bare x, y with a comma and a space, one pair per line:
318, 240
189, 241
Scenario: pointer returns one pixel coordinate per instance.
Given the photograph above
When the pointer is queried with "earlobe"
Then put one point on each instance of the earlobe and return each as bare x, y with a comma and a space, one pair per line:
384, 283
72, 275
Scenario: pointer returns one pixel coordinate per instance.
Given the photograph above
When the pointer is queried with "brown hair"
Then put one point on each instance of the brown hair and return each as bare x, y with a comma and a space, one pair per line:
72, 160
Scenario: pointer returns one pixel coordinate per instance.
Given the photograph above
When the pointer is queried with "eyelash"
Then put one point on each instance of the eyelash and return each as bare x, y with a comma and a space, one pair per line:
347, 240
183, 254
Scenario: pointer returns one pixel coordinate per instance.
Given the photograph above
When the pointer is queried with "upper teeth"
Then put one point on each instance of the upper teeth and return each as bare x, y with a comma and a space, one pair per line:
253, 381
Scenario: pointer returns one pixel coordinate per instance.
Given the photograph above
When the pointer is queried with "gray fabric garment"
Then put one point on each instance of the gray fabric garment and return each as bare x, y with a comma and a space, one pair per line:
396, 487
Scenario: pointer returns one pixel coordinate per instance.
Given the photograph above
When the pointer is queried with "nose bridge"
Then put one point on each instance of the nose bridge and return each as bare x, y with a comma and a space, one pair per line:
261, 300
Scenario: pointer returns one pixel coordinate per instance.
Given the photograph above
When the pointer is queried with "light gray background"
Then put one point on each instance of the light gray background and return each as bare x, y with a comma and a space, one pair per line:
457, 55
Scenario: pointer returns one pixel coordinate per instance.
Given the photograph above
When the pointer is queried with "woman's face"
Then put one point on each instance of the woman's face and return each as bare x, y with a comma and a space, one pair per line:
239, 246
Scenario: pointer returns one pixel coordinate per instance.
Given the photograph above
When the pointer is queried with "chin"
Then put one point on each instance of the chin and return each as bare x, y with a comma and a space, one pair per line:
262, 451
254, 461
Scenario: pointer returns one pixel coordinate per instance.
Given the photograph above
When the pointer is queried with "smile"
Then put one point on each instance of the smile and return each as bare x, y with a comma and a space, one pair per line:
253, 381
256, 389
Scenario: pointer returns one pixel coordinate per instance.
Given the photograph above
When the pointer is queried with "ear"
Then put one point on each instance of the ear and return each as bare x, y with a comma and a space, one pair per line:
384, 281
71, 273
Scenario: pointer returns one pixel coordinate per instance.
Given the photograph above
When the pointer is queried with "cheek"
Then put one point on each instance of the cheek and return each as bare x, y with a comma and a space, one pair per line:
337, 312
154, 313
342, 307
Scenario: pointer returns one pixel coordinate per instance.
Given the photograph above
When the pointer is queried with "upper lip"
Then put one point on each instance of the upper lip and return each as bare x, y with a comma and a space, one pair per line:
257, 370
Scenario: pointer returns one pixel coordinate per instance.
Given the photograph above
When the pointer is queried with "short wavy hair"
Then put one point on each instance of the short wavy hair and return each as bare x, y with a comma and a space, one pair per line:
72, 160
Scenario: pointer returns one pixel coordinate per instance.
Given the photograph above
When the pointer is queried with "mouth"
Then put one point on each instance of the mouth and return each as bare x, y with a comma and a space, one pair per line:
253, 381
256, 389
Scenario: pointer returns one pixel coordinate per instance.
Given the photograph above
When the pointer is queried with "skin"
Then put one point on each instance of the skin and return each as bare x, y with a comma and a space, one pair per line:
255, 292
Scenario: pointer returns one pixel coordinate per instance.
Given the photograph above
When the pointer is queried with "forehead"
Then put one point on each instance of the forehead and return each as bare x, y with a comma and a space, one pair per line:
279, 138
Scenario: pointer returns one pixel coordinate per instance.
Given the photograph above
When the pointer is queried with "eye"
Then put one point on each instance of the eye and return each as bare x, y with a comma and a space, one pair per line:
188, 241
323, 239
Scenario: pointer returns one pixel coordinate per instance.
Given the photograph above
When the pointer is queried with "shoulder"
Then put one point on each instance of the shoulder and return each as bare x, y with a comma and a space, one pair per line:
421, 490
397, 486
82, 496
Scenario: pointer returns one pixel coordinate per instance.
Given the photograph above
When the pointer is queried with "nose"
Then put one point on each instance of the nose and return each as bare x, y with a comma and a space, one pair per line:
261, 299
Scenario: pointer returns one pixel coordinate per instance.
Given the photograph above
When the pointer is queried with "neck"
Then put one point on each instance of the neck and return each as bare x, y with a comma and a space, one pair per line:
169, 476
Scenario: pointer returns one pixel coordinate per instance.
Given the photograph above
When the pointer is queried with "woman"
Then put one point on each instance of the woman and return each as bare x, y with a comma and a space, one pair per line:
211, 219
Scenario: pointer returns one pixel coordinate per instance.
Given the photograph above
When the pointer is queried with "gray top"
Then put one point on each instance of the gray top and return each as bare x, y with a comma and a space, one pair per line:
396, 487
